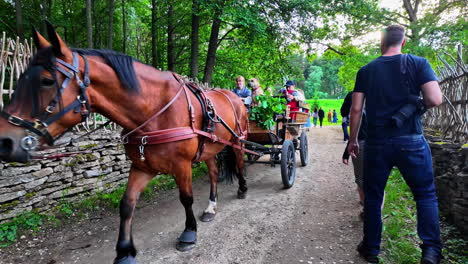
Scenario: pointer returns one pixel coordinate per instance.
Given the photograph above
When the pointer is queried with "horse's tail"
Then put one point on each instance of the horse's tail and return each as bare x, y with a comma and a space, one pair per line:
227, 169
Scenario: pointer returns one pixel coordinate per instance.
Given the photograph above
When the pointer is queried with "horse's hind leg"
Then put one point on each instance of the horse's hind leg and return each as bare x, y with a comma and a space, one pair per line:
183, 177
137, 182
210, 212
240, 164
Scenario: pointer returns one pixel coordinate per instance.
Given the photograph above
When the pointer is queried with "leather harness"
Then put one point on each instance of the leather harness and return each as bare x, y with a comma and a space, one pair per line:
188, 132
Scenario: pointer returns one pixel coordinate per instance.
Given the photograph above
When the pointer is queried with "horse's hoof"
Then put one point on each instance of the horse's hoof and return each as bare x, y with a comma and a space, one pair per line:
241, 194
184, 246
207, 217
187, 240
126, 260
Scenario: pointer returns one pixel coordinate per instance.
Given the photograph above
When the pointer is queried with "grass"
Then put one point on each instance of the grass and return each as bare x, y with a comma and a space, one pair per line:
400, 240
327, 104
32, 222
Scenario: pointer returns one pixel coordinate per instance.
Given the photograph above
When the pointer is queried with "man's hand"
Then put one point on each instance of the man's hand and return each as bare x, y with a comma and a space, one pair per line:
353, 148
345, 161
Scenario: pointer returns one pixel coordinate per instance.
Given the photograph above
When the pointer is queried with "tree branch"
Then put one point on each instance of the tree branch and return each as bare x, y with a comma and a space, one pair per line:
329, 48
410, 10
227, 33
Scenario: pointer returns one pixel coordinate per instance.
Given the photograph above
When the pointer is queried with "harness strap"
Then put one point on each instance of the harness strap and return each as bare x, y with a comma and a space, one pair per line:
157, 114
37, 128
233, 110
179, 134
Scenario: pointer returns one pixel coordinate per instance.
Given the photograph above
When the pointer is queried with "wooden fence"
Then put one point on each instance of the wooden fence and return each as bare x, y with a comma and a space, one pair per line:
14, 58
451, 118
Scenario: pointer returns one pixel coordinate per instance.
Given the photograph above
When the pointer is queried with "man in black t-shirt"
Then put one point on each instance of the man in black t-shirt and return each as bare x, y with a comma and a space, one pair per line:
321, 115
388, 84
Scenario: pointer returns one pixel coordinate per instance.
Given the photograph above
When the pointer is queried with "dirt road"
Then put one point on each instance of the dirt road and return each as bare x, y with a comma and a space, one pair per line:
316, 221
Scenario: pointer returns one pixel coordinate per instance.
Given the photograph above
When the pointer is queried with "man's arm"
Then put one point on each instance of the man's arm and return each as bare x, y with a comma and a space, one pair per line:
356, 116
432, 95
298, 96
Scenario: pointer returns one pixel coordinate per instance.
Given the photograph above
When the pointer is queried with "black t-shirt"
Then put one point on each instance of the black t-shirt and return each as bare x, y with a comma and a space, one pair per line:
321, 113
345, 111
381, 82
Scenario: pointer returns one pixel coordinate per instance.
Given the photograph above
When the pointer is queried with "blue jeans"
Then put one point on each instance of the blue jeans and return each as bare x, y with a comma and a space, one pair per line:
344, 126
412, 156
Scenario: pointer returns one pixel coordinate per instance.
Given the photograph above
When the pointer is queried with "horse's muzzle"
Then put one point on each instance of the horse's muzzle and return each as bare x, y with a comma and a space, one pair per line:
11, 151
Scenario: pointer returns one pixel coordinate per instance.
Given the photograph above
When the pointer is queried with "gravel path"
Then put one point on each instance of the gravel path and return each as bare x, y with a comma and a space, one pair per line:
316, 221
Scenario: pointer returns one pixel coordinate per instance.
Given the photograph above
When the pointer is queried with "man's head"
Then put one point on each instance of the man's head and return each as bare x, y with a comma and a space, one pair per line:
392, 36
290, 85
240, 82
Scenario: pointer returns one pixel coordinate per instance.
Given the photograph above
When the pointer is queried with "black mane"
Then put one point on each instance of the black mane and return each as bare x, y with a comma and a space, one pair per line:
122, 65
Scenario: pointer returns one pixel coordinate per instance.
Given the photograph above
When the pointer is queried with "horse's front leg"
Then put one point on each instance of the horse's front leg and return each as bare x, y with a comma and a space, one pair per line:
137, 182
210, 212
183, 177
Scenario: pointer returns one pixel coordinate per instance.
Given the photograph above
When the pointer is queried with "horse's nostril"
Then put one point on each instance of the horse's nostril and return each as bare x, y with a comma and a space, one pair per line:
6, 146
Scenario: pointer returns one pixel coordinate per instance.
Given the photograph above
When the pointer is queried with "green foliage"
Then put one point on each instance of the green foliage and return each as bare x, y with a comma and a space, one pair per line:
31, 221
267, 106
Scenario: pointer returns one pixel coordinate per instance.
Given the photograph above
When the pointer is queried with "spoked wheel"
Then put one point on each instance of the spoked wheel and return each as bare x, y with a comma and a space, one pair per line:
288, 164
304, 149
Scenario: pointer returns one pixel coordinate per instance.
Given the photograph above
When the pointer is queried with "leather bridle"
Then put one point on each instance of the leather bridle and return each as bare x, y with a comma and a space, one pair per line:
79, 105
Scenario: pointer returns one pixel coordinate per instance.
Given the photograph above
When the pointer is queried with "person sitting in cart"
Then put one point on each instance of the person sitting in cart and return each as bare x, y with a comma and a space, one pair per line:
292, 96
242, 91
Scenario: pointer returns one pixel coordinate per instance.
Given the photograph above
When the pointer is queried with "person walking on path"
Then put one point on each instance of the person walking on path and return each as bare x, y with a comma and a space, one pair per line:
358, 162
321, 115
394, 138
329, 115
315, 116
335, 116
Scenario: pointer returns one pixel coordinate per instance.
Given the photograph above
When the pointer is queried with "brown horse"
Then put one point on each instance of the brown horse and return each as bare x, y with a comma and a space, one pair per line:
61, 86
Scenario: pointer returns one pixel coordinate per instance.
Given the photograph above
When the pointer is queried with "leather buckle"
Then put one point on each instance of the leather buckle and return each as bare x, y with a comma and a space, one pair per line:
49, 109
15, 120
38, 124
81, 100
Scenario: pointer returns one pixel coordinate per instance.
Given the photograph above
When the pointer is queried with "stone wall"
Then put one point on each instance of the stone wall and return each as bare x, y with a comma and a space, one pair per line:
40, 185
451, 177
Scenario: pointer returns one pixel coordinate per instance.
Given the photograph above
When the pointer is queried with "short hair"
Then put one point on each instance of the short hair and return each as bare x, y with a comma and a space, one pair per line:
240, 77
393, 35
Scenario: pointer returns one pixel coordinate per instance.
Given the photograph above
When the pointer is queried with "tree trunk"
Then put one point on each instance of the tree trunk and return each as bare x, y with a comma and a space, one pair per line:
170, 39
154, 34
124, 28
89, 25
212, 47
195, 40
111, 23
44, 13
19, 19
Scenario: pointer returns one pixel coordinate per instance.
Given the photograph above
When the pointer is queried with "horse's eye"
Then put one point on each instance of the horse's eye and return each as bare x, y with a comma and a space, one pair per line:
46, 82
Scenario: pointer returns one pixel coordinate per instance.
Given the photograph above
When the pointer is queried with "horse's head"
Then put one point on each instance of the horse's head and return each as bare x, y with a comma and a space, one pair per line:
49, 98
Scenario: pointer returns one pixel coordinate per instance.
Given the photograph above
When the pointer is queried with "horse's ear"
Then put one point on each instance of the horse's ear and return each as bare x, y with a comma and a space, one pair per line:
39, 40
59, 46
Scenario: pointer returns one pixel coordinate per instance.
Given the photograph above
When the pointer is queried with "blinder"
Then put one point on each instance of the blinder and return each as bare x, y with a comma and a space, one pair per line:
80, 105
